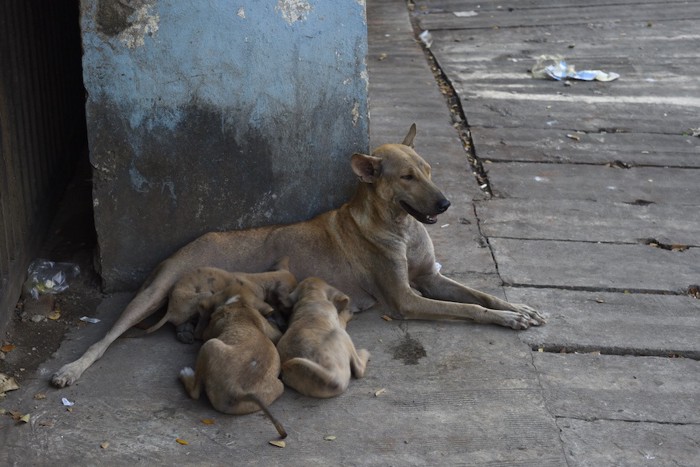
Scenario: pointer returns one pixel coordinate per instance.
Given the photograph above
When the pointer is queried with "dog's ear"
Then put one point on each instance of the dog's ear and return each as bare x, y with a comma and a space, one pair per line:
366, 167
408, 140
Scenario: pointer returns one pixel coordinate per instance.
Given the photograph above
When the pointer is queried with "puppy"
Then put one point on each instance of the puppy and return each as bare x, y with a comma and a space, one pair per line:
203, 289
238, 366
317, 353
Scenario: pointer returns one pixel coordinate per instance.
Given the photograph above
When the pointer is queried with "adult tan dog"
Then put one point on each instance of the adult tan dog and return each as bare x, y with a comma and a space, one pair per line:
374, 248
238, 366
200, 291
316, 352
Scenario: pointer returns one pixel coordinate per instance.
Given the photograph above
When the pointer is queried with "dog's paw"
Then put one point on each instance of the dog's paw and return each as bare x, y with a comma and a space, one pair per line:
187, 372
65, 376
534, 317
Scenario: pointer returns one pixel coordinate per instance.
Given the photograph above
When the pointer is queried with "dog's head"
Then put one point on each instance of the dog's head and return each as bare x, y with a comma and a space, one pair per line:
402, 179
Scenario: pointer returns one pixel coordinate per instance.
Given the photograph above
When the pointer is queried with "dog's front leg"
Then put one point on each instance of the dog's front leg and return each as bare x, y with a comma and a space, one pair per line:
439, 287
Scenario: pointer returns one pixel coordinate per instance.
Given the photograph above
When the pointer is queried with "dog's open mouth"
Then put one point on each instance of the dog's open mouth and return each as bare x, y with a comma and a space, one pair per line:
420, 217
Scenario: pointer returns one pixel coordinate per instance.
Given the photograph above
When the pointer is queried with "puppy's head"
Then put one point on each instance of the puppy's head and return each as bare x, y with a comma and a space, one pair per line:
314, 288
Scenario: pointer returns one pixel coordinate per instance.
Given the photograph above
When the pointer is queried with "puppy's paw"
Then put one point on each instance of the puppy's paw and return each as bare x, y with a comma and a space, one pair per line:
185, 333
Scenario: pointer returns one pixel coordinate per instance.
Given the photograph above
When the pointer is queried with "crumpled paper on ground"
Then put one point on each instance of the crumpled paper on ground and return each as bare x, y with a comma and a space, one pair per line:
555, 67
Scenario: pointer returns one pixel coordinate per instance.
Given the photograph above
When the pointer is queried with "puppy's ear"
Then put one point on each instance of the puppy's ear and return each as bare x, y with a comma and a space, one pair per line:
366, 167
340, 300
284, 297
408, 140
282, 264
294, 295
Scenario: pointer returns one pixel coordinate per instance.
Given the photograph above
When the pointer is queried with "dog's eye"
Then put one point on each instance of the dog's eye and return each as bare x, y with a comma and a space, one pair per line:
407, 177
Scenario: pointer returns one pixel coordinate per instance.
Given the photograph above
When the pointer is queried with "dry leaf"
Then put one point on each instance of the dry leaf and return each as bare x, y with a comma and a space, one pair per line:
7, 383
574, 137
329, 438
8, 348
599, 300
208, 421
54, 315
678, 247
47, 423
24, 418
386, 318
39, 396
181, 441
279, 443
379, 392
104, 444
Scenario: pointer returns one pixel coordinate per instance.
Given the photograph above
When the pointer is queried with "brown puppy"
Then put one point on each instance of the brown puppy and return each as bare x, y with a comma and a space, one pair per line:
203, 289
238, 366
317, 353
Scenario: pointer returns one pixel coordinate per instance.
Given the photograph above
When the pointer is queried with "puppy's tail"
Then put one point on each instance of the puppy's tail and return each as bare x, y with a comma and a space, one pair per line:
278, 426
298, 372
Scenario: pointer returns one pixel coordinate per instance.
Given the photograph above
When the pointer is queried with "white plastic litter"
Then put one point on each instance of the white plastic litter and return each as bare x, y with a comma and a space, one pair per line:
555, 67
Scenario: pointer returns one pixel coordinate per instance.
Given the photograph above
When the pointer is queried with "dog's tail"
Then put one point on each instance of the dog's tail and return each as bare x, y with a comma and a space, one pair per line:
297, 372
158, 325
278, 426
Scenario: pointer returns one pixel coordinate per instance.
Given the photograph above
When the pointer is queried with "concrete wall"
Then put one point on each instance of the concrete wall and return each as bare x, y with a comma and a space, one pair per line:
216, 115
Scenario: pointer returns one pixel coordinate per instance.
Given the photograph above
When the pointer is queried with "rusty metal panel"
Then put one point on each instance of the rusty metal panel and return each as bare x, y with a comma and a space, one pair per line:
41, 127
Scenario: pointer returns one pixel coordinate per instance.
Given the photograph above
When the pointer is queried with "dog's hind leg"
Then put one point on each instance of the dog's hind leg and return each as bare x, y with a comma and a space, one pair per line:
144, 303
191, 383
358, 362
311, 379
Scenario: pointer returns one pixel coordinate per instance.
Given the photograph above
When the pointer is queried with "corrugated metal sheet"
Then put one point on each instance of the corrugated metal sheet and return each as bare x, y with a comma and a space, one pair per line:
41, 127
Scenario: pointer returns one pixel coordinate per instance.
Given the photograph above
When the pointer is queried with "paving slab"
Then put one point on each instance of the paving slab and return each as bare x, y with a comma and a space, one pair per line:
613, 387
612, 323
541, 13
562, 146
606, 442
601, 266
598, 183
589, 221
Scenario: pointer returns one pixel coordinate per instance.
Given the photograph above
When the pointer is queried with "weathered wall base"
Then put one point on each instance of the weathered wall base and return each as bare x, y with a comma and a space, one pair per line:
213, 115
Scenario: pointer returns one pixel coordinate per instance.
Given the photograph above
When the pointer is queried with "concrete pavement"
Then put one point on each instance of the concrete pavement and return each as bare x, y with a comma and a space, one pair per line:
612, 379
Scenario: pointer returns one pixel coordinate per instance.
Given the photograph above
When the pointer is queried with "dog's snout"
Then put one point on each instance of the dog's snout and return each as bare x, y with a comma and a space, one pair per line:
442, 205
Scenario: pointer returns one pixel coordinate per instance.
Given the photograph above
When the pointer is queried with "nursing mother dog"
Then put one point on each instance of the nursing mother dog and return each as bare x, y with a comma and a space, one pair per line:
374, 248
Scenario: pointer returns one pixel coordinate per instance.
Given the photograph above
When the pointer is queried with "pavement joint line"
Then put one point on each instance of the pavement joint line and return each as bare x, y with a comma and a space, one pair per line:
588, 349
590, 164
454, 106
545, 403
598, 419
641, 241
579, 288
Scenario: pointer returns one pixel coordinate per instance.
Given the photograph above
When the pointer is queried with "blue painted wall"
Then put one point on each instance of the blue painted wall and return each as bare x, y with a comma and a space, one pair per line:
215, 115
